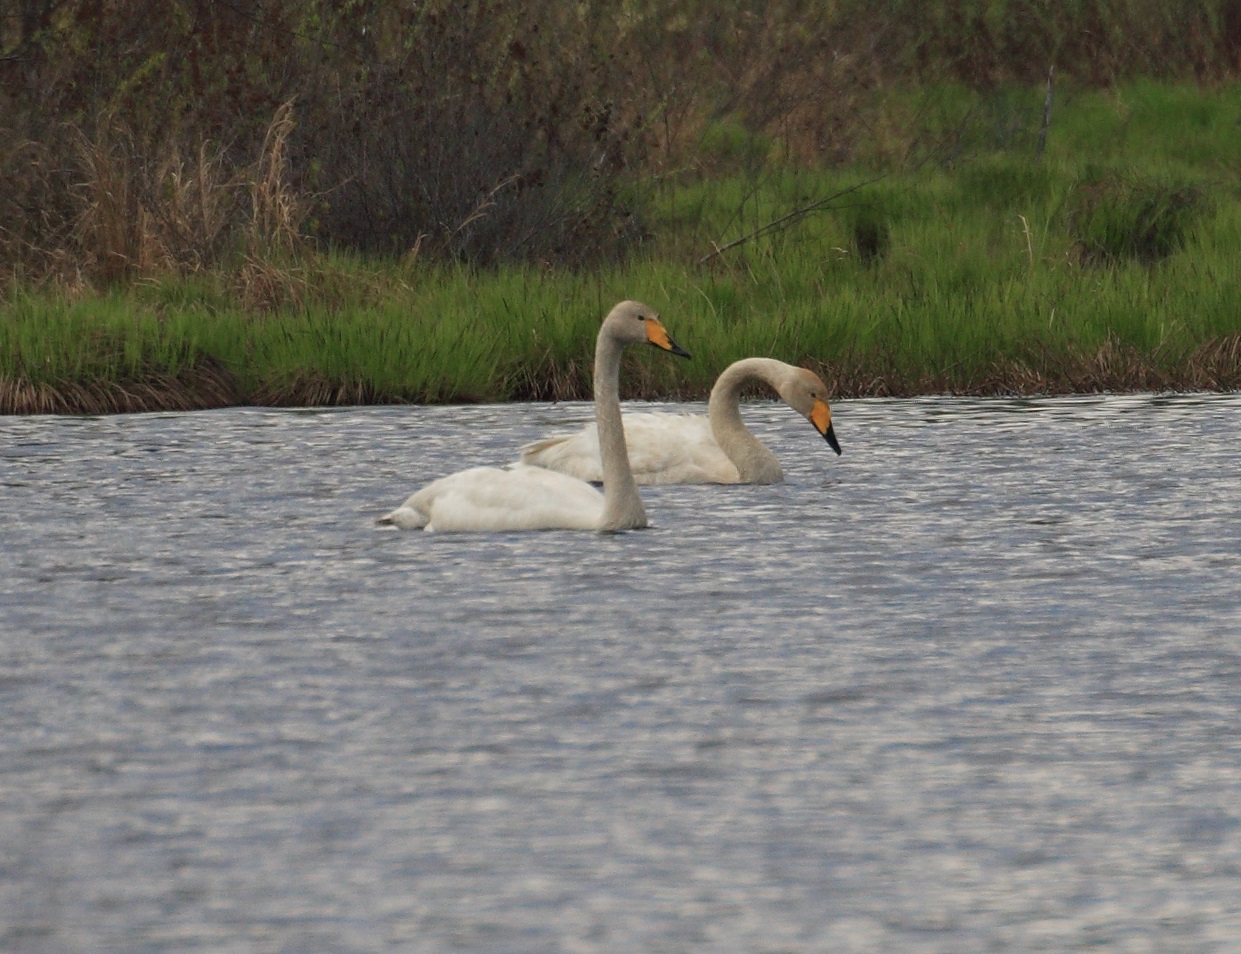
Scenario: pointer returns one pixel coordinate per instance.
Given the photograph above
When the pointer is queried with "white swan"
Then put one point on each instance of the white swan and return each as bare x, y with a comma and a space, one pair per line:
693, 449
519, 497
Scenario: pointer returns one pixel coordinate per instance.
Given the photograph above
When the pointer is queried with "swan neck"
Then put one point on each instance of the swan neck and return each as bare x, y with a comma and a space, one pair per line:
754, 462
622, 507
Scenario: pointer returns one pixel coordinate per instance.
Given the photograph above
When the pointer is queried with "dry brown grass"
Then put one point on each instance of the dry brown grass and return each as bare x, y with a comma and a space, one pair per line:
266, 286
115, 231
312, 390
498, 132
207, 385
545, 380
277, 211
1216, 366
140, 209
1112, 367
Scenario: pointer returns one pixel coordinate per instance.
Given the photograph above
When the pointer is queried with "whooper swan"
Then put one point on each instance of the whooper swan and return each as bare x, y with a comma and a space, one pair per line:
520, 497
694, 449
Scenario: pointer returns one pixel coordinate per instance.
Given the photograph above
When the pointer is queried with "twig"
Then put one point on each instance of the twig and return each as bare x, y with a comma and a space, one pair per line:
485, 203
788, 219
1042, 133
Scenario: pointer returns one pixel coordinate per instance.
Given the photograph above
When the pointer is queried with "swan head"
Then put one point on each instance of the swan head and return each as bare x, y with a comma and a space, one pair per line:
806, 393
632, 322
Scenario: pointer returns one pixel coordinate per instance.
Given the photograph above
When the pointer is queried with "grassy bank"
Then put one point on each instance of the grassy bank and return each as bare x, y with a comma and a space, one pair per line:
1106, 261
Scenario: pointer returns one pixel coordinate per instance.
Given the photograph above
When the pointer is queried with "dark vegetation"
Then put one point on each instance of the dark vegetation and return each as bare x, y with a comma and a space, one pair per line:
238, 145
138, 135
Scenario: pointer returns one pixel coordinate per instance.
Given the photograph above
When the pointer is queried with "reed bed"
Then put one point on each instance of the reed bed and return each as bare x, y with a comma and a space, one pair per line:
1106, 261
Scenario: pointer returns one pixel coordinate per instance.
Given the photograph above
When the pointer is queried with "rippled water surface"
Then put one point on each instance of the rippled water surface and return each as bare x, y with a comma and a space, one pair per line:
973, 686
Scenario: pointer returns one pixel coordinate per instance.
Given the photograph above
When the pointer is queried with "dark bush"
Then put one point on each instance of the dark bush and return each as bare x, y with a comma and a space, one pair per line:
497, 133
140, 134
477, 130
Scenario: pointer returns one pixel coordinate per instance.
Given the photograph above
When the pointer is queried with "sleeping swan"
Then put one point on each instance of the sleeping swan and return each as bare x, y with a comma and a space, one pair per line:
693, 449
520, 497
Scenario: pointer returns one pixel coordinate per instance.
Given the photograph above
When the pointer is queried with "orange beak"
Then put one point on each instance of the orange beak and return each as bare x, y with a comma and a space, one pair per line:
657, 335
821, 418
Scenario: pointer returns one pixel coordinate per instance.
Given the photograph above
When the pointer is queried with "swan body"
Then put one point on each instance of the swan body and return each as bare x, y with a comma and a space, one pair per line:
521, 497
692, 448
516, 497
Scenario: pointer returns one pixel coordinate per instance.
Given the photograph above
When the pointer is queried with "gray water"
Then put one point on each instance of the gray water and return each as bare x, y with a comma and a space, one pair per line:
973, 686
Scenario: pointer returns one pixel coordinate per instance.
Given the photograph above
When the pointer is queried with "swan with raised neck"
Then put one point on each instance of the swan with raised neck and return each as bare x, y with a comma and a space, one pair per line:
520, 497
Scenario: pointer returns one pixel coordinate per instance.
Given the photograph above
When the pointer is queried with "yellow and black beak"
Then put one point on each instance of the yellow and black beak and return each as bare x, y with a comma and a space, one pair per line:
821, 418
657, 335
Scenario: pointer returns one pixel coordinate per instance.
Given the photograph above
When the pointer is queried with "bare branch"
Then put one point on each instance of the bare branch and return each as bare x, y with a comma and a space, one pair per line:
1042, 133
789, 218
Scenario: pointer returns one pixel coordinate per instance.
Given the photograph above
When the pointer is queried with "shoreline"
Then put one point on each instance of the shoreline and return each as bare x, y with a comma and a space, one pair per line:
214, 389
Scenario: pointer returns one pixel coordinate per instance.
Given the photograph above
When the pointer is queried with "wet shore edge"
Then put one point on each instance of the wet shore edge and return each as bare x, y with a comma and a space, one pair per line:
1215, 367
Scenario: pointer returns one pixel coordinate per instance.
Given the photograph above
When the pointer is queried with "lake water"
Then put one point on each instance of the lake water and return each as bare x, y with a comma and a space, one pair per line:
973, 686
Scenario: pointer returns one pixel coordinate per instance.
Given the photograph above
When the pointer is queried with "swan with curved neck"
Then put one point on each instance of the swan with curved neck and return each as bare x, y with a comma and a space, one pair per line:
693, 449
520, 497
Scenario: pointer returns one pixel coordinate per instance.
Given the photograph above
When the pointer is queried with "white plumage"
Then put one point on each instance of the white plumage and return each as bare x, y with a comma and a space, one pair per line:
519, 497
716, 448
663, 449
515, 497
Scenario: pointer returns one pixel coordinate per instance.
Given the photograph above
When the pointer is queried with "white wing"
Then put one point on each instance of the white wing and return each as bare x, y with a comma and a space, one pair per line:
663, 449
516, 497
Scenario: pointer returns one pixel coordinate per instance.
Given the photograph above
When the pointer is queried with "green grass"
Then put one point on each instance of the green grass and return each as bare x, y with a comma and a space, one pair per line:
1113, 262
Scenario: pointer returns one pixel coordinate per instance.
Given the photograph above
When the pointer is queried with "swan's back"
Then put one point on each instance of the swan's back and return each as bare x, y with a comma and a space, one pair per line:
693, 449
663, 449
516, 497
